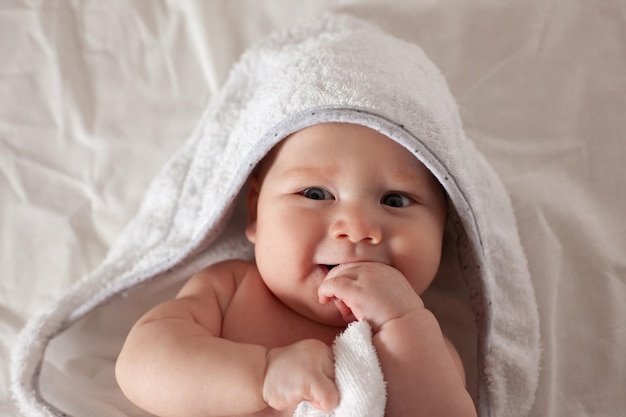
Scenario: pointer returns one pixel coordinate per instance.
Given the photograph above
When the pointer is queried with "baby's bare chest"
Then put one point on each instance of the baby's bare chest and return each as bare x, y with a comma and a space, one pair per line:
256, 316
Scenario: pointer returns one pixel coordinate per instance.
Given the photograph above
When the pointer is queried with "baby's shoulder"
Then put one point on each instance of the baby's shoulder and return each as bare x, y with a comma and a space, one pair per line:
221, 279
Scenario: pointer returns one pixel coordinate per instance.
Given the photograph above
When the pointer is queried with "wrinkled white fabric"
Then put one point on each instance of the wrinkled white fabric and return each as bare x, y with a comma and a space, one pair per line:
335, 68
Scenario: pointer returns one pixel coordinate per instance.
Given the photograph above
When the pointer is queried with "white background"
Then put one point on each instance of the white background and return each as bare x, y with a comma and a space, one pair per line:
96, 95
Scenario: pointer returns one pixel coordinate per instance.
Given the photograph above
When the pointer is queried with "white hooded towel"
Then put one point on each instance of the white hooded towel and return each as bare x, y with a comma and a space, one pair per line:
335, 68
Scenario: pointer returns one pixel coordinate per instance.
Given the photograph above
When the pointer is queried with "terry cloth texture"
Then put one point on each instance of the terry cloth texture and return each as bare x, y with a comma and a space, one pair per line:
357, 374
336, 68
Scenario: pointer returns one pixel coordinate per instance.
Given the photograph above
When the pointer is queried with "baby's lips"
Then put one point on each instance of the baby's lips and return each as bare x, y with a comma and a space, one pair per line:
328, 268
334, 270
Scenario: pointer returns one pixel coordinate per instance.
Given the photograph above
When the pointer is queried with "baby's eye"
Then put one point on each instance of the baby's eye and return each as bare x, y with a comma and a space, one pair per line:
317, 193
396, 200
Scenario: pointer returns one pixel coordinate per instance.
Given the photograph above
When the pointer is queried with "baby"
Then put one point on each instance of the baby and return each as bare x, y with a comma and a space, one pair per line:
347, 225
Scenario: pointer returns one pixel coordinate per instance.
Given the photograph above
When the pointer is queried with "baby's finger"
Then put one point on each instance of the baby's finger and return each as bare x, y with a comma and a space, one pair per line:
337, 287
345, 311
344, 292
324, 395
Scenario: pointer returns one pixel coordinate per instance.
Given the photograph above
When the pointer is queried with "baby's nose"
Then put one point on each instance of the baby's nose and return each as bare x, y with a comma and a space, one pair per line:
357, 225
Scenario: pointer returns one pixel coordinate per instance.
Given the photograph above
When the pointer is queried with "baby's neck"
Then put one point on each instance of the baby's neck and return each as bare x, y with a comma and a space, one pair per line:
256, 316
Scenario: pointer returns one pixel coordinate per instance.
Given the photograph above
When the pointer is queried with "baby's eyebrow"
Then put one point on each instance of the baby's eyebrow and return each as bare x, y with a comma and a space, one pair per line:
402, 175
419, 175
309, 171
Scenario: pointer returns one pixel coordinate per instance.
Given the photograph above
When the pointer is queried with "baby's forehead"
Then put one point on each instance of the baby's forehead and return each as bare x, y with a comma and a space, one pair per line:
329, 136
334, 140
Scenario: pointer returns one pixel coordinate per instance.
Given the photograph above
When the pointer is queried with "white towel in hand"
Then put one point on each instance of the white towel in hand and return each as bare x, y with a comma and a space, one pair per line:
358, 377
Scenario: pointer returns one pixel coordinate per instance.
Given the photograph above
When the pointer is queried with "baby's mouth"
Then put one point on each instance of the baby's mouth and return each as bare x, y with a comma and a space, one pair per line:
328, 267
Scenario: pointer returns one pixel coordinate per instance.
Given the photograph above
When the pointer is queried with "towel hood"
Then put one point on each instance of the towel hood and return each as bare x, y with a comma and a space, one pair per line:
334, 68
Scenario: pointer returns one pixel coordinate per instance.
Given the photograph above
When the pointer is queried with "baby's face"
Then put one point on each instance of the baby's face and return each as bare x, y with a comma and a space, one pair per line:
339, 193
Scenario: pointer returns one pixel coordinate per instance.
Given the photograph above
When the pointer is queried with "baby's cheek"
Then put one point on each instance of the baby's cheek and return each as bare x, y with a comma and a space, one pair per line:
420, 275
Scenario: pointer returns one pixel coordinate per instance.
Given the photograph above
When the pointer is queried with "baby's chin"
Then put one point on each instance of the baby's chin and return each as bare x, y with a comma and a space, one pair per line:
332, 314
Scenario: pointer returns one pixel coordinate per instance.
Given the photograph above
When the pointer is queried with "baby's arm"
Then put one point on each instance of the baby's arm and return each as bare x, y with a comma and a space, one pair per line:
423, 371
171, 358
175, 364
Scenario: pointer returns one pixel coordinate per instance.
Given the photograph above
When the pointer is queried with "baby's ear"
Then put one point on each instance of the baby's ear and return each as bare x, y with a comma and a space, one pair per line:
254, 187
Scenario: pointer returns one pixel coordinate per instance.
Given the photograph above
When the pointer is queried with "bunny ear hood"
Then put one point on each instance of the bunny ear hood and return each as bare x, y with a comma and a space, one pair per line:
335, 68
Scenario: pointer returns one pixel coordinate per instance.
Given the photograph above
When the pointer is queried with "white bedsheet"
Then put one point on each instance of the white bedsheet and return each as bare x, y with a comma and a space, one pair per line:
95, 96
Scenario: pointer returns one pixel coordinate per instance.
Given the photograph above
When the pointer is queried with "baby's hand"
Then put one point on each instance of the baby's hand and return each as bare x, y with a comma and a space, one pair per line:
370, 291
301, 371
